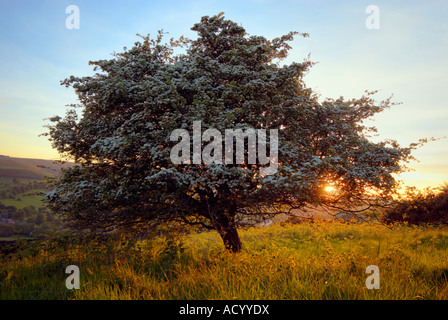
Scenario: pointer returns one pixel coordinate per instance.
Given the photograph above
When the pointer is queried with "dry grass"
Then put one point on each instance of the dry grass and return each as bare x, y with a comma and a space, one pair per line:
320, 260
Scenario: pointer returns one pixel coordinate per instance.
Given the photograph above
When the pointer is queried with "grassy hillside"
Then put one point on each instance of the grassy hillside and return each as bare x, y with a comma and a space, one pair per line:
25, 199
37, 169
22, 186
16, 174
320, 260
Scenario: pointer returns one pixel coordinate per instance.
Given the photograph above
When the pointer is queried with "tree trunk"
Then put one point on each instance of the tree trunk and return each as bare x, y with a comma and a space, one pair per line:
228, 232
231, 239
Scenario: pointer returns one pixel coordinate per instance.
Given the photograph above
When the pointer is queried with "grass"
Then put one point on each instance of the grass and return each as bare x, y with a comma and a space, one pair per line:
27, 199
7, 182
15, 237
320, 260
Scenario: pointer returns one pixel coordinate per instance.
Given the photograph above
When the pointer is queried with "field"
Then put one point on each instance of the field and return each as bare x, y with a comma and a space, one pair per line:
310, 260
16, 173
22, 188
11, 167
26, 199
15, 237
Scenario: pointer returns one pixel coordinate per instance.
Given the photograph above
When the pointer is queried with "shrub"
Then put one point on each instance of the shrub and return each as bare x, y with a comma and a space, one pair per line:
6, 230
419, 207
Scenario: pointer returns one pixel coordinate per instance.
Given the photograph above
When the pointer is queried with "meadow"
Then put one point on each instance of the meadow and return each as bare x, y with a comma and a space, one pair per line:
309, 260
26, 199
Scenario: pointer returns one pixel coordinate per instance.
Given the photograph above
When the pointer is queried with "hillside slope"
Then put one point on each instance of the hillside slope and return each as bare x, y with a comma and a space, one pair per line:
11, 167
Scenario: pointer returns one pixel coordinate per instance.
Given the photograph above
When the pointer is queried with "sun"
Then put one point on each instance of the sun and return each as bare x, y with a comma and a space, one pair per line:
330, 188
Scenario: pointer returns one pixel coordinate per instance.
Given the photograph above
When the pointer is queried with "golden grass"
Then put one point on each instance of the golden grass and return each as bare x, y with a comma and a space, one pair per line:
319, 260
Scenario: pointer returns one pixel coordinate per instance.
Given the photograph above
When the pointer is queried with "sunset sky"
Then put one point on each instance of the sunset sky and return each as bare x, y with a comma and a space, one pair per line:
407, 57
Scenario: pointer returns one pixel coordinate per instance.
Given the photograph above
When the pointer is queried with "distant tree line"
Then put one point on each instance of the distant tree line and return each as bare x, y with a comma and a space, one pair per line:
28, 221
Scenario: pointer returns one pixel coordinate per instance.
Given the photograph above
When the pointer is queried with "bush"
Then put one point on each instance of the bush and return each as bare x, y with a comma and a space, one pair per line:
6, 230
24, 228
420, 207
294, 220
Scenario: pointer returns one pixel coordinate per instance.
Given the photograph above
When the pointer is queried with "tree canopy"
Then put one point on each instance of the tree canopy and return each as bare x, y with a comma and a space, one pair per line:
226, 79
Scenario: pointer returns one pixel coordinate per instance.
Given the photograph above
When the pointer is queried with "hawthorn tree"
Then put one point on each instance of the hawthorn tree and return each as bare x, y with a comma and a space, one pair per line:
124, 177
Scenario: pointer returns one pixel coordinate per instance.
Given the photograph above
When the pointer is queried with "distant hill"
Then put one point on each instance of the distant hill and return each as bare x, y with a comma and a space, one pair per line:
24, 168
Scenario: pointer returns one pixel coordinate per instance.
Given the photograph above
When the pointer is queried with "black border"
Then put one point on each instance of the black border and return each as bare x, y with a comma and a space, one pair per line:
169, 309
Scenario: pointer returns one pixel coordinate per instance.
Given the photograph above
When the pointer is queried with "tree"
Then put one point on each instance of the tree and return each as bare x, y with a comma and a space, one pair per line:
226, 79
40, 218
428, 206
20, 215
6, 230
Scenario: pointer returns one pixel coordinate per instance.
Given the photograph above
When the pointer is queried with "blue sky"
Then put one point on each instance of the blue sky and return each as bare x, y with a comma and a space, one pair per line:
407, 57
